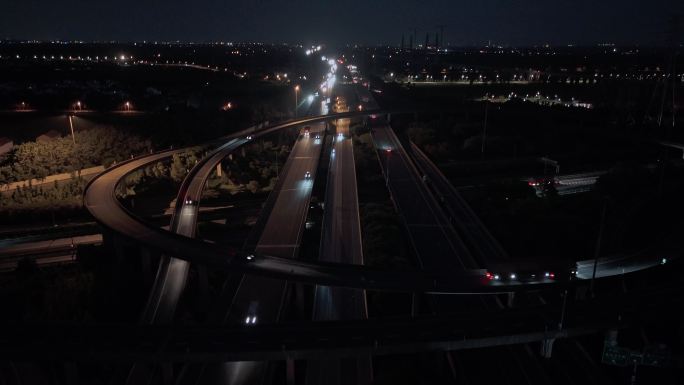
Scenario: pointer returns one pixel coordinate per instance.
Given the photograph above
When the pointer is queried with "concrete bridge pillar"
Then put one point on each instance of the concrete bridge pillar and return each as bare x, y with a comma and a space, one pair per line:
116, 243
415, 304
290, 371
167, 374
149, 260
510, 299
203, 292
70, 373
611, 338
547, 347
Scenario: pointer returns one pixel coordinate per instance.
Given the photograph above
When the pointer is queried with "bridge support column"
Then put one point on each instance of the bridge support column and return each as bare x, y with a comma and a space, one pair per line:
547, 347
203, 292
148, 262
115, 243
70, 373
611, 338
290, 371
299, 298
510, 299
167, 374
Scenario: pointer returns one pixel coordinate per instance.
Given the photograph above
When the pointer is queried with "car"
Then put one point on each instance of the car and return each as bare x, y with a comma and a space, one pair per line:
189, 201
251, 317
318, 136
249, 137
307, 129
333, 151
307, 175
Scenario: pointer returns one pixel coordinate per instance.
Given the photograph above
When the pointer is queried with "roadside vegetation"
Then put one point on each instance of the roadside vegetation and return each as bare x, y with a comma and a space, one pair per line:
384, 238
59, 199
98, 146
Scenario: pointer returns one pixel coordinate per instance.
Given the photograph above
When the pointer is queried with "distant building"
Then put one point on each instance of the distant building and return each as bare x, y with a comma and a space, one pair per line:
48, 136
6, 145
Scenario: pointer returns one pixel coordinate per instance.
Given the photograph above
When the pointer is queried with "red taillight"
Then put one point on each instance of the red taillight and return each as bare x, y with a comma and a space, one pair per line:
551, 275
489, 275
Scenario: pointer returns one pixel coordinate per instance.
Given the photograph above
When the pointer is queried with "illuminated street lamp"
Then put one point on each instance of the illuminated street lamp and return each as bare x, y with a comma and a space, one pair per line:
128, 106
388, 151
296, 89
78, 105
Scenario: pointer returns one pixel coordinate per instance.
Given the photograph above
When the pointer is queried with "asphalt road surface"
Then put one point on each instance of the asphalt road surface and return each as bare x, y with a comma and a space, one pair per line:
260, 299
340, 242
482, 244
430, 235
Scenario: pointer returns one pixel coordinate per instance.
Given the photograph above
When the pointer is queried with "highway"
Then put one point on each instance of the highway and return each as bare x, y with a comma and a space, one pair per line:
172, 272
47, 252
261, 299
522, 364
481, 243
282, 233
340, 242
435, 246
308, 340
436, 242
101, 202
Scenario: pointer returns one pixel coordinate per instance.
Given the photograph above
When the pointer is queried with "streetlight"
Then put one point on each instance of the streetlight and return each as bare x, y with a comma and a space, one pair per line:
128, 106
296, 89
78, 105
71, 126
389, 152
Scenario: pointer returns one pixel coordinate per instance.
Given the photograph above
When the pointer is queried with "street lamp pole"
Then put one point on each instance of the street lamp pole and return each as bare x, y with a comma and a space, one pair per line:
562, 318
597, 251
389, 153
296, 100
71, 126
484, 128
276, 164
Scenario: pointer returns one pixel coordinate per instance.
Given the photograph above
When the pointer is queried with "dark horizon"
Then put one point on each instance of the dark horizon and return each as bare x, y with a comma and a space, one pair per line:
333, 46
384, 22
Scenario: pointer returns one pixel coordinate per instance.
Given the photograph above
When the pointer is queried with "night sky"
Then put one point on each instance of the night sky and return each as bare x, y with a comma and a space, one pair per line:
514, 22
